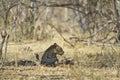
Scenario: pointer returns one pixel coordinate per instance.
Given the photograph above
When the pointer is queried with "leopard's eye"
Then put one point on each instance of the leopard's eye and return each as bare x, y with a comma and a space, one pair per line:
60, 49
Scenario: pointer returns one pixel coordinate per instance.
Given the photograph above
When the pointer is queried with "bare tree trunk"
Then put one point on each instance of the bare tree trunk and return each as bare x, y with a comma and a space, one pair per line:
3, 35
6, 44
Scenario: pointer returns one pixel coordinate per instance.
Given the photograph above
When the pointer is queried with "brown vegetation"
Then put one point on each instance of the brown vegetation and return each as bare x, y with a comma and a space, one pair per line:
87, 30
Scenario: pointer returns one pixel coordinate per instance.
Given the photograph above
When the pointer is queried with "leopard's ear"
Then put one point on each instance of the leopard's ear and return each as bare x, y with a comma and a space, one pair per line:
55, 44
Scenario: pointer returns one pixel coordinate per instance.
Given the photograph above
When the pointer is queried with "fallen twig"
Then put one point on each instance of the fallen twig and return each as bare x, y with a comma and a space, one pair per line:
94, 42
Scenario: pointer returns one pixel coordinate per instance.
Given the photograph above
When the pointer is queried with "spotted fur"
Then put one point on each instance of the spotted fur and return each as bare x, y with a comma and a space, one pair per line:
49, 57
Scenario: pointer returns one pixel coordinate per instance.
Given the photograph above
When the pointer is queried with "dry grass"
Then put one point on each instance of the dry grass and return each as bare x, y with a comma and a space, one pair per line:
25, 50
33, 72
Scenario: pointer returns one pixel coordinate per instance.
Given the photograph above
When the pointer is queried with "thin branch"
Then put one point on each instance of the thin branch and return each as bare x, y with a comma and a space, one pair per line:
60, 34
102, 26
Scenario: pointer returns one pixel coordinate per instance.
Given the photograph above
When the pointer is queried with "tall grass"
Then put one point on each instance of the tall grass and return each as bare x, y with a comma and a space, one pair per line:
95, 66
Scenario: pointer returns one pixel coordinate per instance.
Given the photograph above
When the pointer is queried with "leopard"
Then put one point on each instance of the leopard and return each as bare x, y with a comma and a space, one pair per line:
49, 57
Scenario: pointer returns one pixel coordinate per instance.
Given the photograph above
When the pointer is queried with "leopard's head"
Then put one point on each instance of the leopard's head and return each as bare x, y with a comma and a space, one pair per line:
58, 50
